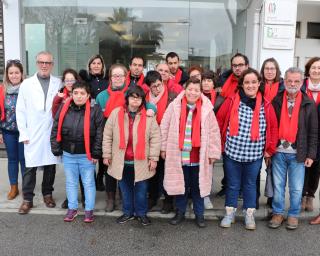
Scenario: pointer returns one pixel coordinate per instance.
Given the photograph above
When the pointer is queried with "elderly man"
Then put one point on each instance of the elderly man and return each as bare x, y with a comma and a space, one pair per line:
164, 71
34, 120
297, 147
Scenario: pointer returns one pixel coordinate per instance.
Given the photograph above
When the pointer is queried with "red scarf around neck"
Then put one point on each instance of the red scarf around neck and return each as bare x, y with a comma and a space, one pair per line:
139, 153
230, 86
270, 91
196, 123
234, 117
162, 103
178, 76
2, 97
116, 99
86, 128
66, 93
288, 128
213, 96
139, 82
310, 94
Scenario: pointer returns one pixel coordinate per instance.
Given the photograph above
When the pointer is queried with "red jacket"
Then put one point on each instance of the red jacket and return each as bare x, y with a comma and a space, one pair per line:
223, 117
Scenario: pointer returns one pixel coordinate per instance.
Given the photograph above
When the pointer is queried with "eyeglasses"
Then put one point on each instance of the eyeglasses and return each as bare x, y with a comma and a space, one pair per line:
117, 76
16, 61
44, 63
156, 86
69, 81
240, 65
270, 69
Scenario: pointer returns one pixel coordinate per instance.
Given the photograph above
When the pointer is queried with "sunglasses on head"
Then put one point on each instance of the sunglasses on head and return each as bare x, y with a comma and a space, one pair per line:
16, 61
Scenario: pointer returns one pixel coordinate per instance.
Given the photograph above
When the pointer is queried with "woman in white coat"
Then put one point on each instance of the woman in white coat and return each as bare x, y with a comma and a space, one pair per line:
34, 120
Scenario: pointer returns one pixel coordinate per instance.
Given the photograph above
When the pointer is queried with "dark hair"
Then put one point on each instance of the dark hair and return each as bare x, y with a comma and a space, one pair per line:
12, 63
309, 64
246, 60
247, 72
97, 56
278, 73
209, 74
82, 85
137, 57
195, 67
136, 90
151, 77
70, 71
193, 81
171, 55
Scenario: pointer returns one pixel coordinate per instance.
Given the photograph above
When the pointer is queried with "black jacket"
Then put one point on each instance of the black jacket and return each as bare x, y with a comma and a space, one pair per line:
72, 132
307, 136
97, 83
184, 77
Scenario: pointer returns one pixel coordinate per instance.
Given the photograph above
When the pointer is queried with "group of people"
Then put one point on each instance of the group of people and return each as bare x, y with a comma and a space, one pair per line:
160, 134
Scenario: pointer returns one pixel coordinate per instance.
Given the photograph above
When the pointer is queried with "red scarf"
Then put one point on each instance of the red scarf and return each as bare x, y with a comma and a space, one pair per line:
234, 117
289, 126
162, 103
86, 129
173, 86
2, 96
140, 81
213, 96
140, 146
196, 124
116, 99
66, 93
270, 91
310, 93
178, 76
230, 86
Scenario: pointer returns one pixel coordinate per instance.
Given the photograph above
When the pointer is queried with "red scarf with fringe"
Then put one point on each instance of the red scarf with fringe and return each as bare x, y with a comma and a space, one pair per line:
270, 91
234, 117
86, 128
116, 99
139, 153
310, 94
288, 128
196, 123
2, 96
161, 104
230, 86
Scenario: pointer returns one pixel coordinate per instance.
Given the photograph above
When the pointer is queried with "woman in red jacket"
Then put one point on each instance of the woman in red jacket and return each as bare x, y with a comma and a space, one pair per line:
249, 132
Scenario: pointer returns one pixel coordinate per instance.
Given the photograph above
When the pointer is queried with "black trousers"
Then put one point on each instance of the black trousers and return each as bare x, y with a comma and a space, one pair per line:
311, 179
29, 181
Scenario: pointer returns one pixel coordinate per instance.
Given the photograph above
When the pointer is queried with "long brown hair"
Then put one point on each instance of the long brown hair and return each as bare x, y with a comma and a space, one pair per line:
11, 63
275, 63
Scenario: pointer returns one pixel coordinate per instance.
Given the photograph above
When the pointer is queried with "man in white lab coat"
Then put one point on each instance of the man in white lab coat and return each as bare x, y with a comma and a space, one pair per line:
34, 120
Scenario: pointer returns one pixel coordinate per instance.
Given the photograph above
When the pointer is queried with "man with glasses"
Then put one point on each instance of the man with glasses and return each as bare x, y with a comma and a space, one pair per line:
34, 120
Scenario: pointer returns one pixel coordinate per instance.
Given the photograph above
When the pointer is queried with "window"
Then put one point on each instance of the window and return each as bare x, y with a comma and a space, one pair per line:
313, 30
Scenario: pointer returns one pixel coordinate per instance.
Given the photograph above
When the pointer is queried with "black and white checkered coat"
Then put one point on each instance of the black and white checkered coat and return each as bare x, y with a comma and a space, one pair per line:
241, 148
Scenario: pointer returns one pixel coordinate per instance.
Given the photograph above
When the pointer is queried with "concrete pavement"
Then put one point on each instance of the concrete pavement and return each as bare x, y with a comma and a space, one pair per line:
59, 195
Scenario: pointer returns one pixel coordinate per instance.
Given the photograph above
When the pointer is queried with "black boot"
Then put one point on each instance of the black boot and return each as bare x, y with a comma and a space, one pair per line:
177, 219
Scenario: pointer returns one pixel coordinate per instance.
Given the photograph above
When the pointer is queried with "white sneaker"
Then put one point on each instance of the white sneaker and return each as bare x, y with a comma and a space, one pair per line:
207, 203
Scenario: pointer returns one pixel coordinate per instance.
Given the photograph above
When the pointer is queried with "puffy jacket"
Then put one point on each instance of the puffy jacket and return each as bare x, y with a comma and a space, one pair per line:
97, 83
72, 131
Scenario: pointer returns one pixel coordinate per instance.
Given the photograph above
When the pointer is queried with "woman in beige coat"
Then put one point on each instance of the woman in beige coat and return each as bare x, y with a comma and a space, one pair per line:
131, 149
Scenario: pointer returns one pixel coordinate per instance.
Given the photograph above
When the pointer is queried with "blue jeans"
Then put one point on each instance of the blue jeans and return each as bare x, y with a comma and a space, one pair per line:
75, 165
15, 154
241, 175
134, 194
191, 183
284, 164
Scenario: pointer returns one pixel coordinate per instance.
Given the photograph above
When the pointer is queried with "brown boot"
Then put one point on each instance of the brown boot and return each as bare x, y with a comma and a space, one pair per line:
14, 191
309, 204
292, 223
315, 220
110, 201
25, 207
276, 221
303, 203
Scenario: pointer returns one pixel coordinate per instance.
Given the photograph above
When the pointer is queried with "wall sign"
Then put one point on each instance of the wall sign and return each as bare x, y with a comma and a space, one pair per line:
280, 12
278, 37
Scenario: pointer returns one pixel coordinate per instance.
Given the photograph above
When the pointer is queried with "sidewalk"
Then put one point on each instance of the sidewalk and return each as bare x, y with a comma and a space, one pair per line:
59, 196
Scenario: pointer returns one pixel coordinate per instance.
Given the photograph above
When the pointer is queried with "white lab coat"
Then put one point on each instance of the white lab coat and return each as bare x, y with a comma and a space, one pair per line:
35, 120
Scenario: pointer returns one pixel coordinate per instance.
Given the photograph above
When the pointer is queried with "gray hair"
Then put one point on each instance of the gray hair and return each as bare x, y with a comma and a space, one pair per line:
294, 70
44, 53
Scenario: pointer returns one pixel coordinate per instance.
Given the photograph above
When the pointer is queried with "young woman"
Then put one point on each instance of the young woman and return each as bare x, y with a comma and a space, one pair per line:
77, 136
249, 132
190, 144
13, 77
131, 148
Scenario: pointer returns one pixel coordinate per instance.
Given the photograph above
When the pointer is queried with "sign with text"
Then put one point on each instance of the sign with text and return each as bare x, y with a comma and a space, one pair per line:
280, 12
278, 37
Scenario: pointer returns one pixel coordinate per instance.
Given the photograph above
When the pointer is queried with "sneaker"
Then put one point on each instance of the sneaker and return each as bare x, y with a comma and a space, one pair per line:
71, 215
276, 221
292, 223
207, 203
124, 218
229, 217
144, 220
177, 219
88, 216
249, 221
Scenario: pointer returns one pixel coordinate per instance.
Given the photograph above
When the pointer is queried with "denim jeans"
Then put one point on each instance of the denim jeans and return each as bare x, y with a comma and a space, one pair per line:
134, 194
75, 165
241, 175
15, 154
29, 181
191, 183
284, 164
